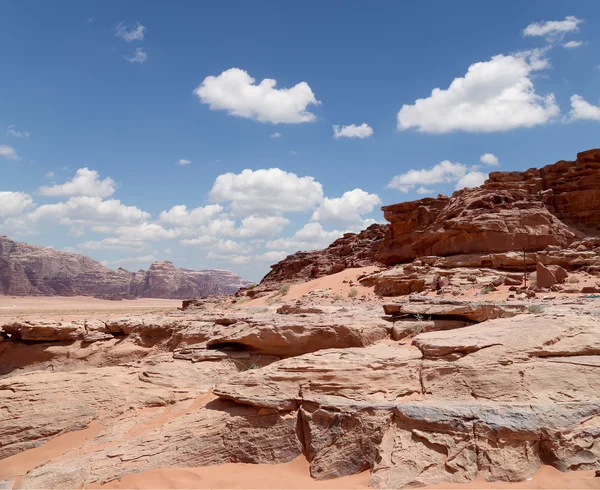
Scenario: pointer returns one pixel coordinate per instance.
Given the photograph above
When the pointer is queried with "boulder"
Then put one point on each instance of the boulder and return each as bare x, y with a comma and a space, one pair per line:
545, 278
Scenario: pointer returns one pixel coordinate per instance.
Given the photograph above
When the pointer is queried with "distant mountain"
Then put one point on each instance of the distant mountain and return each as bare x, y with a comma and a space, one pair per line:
32, 270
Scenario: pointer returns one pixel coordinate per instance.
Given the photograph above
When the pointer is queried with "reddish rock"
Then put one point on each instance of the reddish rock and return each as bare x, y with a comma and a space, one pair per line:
560, 274
32, 270
544, 276
352, 250
517, 211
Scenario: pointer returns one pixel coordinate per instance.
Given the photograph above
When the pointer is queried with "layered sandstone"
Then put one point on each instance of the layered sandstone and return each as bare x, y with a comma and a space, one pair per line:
553, 212
31, 270
512, 211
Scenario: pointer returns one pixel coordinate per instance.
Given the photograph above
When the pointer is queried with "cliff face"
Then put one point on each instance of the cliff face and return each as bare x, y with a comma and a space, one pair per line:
527, 210
513, 211
31, 270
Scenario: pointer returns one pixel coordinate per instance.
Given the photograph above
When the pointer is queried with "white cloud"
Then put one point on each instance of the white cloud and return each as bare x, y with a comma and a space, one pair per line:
423, 190
130, 34
472, 179
494, 95
140, 56
310, 237
86, 182
134, 260
113, 244
8, 152
582, 109
264, 190
50, 175
14, 203
346, 209
272, 257
146, 232
445, 171
201, 241
234, 91
489, 159
80, 211
183, 161
13, 131
572, 44
179, 216
262, 226
275, 135
352, 131
553, 30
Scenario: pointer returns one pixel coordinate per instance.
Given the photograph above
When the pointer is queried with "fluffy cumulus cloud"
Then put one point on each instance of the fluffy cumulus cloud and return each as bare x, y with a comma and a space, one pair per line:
346, 209
352, 131
80, 211
14, 203
86, 182
146, 232
266, 191
138, 56
472, 179
553, 30
443, 173
311, 237
129, 34
489, 159
180, 216
8, 152
582, 109
494, 95
262, 226
234, 91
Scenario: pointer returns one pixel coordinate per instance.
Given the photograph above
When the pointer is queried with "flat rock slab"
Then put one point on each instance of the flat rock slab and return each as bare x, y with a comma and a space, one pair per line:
473, 311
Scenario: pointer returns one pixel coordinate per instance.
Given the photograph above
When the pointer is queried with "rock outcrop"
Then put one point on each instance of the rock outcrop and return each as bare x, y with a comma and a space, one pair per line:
31, 270
553, 210
352, 250
512, 211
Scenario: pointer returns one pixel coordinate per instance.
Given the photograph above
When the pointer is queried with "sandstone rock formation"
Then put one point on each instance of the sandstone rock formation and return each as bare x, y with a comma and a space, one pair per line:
496, 400
552, 213
31, 270
352, 250
512, 211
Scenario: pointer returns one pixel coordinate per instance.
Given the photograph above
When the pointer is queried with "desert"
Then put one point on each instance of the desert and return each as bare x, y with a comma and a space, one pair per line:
375, 362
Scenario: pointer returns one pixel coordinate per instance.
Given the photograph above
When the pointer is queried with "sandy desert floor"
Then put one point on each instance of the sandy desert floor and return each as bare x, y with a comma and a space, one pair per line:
74, 307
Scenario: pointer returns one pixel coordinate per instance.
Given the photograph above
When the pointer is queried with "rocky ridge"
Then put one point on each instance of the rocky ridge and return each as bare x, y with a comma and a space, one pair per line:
547, 209
31, 270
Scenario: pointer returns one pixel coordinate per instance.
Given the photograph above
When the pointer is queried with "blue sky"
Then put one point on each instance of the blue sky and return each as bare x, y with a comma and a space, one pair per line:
99, 101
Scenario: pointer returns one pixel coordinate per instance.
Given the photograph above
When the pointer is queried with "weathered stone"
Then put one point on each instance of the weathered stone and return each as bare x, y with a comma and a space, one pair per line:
473, 311
545, 278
